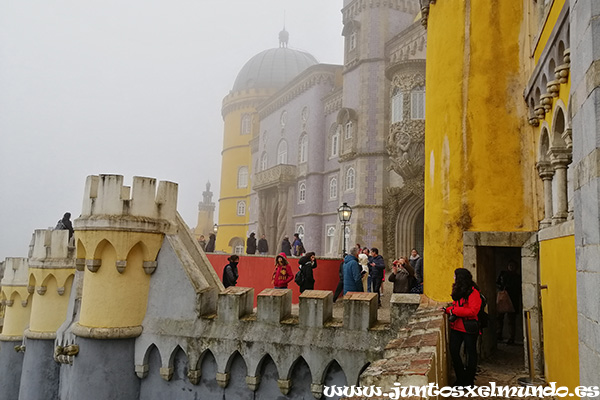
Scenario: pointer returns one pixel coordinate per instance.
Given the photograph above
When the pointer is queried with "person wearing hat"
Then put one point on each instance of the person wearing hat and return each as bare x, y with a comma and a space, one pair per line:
283, 272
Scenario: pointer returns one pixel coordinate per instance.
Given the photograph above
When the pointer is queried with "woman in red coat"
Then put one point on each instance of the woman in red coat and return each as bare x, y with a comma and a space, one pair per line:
464, 326
283, 272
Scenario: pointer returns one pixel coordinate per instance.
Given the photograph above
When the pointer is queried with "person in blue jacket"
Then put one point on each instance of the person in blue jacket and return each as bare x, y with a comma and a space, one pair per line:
352, 272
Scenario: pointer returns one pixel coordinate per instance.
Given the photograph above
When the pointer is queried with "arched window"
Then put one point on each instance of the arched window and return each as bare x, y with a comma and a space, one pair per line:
242, 178
330, 239
241, 208
349, 130
282, 152
417, 103
350, 178
335, 142
333, 189
300, 231
246, 124
302, 192
303, 148
397, 105
353, 38
264, 161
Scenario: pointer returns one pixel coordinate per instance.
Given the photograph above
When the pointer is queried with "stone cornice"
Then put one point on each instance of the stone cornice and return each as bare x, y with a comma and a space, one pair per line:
407, 67
411, 39
317, 74
8, 338
353, 155
357, 62
39, 335
126, 332
333, 101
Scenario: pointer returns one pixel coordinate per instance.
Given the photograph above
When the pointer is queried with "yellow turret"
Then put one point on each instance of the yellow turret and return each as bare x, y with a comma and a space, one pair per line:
118, 235
16, 298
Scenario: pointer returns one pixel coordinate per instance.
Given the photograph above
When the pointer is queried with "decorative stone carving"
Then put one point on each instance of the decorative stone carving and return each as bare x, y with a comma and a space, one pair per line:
121, 264
317, 390
284, 386
166, 373
9, 303
60, 290
194, 376
553, 88
540, 111
562, 73
20, 349
141, 371
406, 147
42, 290
71, 350
30, 289
280, 174
534, 121
407, 82
546, 101
223, 379
567, 57
567, 136
253, 382
93, 265
149, 267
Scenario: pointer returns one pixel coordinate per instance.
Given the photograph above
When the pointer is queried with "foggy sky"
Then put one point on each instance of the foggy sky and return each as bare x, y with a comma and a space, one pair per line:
131, 88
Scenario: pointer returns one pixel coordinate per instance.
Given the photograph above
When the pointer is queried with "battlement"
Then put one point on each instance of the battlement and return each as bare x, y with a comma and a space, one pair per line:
109, 205
16, 272
50, 249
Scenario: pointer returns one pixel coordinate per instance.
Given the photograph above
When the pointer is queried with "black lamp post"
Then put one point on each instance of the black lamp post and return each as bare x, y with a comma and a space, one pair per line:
344, 213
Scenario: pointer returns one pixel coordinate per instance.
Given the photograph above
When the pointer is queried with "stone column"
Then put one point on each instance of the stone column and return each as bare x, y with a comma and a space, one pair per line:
560, 160
585, 105
546, 173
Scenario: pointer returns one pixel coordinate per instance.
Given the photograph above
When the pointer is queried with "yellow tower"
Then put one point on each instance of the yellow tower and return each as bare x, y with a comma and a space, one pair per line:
260, 78
479, 174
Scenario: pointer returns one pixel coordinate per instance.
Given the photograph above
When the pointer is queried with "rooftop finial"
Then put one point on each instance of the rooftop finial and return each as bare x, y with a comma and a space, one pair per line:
283, 35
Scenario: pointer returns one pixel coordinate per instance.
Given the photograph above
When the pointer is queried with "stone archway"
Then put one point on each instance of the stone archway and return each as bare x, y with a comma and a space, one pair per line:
403, 223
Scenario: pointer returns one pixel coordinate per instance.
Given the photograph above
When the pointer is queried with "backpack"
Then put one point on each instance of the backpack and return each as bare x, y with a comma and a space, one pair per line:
60, 225
482, 316
299, 278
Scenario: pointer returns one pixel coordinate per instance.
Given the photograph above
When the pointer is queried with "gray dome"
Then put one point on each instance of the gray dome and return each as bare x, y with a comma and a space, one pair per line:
272, 68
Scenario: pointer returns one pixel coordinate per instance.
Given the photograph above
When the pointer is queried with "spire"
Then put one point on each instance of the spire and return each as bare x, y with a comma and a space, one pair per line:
283, 35
207, 195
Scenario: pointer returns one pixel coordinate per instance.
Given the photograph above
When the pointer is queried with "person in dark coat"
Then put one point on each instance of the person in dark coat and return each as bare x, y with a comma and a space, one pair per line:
402, 276
376, 271
202, 242
230, 272
251, 244
263, 245
65, 223
352, 272
307, 263
416, 262
286, 246
509, 280
297, 246
210, 246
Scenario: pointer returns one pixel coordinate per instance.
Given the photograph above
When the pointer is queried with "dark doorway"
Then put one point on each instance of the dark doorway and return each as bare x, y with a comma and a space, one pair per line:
491, 261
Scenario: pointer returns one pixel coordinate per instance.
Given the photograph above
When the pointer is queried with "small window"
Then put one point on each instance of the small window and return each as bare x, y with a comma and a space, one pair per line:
242, 180
349, 130
283, 119
397, 105
302, 192
246, 124
303, 148
333, 189
241, 208
353, 37
282, 153
264, 161
239, 249
330, 239
335, 143
417, 103
350, 178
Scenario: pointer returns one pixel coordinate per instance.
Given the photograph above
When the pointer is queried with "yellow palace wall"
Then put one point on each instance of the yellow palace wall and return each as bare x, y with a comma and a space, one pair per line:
474, 173
559, 310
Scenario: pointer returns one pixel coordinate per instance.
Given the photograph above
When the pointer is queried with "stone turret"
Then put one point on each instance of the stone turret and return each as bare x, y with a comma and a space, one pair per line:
118, 236
16, 299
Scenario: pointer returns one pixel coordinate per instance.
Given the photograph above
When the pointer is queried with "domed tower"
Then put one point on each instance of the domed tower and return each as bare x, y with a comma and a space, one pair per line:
261, 77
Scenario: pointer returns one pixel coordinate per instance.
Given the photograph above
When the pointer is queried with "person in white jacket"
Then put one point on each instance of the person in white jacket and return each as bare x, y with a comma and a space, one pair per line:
363, 260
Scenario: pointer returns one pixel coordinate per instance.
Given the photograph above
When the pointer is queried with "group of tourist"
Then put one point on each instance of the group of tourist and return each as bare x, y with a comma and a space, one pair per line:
363, 270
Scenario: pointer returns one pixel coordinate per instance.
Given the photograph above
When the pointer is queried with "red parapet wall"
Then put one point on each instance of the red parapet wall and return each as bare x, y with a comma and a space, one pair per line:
256, 272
